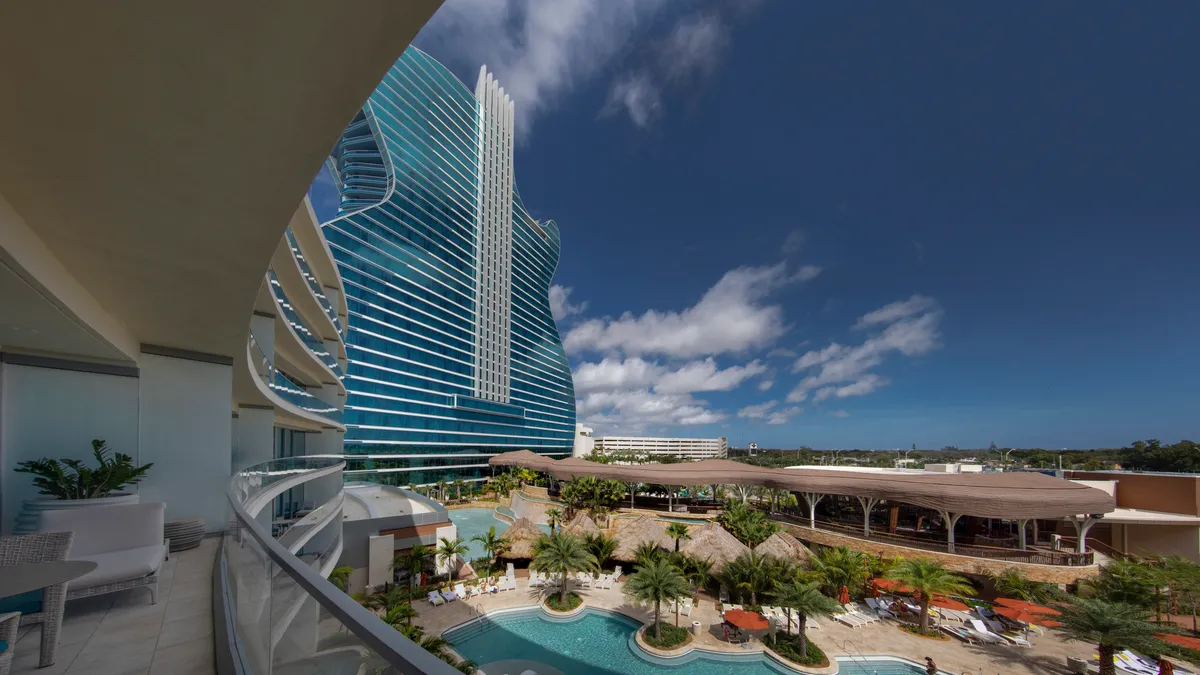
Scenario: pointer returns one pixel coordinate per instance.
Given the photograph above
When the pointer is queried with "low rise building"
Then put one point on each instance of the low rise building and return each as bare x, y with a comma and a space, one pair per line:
691, 449
1157, 514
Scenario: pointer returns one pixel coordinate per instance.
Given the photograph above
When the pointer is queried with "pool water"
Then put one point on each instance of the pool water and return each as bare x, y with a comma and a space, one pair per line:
600, 643
474, 523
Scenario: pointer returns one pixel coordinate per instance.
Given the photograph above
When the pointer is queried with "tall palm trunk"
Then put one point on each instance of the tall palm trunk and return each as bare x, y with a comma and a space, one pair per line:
562, 590
924, 613
787, 629
801, 620
657, 628
1106, 660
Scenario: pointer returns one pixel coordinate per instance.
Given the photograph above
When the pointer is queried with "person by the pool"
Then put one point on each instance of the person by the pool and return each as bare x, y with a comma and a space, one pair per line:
930, 666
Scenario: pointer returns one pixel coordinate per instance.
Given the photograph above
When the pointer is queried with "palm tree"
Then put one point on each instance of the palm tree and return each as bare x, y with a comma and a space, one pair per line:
1109, 625
458, 486
441, 488
698, 572
806, 600
647, 552
840, 566
372, 601
1125, 581
657, 582
554, 518
437, 646
602, 546
466, 666
400, 614
753, 573
414, 562
491, 543
1011, 583
678, 531
755, 533
449, 551
928, 578
560, 553
340, 577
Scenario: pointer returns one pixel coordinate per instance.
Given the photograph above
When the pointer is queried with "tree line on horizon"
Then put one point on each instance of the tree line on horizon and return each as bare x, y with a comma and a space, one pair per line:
1148, 455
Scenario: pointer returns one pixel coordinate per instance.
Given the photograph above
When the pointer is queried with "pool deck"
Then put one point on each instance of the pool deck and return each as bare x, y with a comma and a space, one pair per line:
1048, 655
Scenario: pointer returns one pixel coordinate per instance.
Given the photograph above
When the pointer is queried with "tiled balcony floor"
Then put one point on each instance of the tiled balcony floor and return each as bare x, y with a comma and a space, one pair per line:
123, 634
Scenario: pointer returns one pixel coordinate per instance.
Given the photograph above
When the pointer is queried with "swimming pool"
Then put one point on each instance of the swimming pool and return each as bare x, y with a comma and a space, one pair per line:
475, 522
601, 643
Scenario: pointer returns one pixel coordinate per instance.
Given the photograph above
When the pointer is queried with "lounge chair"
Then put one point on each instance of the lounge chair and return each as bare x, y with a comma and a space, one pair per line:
811, 624
850, 620
959, 632
461, 591
685, 607
856, 610
435, 599
880, 611
982, 629
605, 581
450, 596
1135, 663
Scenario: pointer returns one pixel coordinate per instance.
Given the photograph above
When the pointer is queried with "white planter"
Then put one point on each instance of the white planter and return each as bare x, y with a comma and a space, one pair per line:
28, 518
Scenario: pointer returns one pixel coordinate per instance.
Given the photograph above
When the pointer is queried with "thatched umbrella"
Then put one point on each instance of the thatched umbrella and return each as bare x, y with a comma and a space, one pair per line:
521, 536
785, 547
631, 534
714, 542
580, 525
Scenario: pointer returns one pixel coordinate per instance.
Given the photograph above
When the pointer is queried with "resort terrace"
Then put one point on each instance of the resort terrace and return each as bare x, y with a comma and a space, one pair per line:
987, 505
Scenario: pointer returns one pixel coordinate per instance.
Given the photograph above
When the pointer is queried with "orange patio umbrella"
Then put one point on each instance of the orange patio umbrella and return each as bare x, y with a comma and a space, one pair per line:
1026, 616
844, 595
748, 620
1030, 607
890, 585
947, 603
1181, 640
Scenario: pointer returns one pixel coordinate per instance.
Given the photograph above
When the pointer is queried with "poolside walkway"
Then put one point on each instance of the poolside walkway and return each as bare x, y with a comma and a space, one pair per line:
1048, 655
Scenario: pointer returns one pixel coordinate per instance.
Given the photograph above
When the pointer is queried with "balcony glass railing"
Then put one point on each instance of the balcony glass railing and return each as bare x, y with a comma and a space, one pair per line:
288, 389
312, 522
306, 336
311, 280
285, 617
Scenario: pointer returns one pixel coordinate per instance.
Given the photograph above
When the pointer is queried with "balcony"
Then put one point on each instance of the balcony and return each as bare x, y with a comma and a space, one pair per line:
286, 392
311, 280
279, 612
298, 327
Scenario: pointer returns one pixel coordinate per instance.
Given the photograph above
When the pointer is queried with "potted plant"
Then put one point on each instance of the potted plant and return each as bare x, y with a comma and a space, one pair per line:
69, 484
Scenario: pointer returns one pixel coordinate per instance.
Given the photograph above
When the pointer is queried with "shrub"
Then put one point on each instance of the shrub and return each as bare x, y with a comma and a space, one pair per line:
931, 633
672, 636
788, 646
70, 479
573, 601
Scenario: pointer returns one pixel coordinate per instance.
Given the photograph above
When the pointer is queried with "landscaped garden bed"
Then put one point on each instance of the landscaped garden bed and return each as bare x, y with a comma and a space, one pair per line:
573, 602
672, 636
788, 646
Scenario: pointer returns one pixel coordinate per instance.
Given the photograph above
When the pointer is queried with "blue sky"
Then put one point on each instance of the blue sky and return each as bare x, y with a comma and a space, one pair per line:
862, 224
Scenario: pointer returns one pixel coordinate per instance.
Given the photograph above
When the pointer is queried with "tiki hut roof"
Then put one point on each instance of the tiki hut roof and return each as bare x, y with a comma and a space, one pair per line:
784, 546
581, 524
644, 529
521, 536
715, 543
1010, 495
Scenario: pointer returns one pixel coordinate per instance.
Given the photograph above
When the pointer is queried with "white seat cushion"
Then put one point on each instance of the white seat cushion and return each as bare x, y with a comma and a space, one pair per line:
126, 565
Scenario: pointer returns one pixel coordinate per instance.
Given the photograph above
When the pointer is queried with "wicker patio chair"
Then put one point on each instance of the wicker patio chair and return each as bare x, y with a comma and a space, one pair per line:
35, 548
8, 640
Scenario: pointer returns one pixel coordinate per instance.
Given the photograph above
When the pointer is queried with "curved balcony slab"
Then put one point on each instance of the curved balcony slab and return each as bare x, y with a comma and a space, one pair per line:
307, 527
259, 485
286, 394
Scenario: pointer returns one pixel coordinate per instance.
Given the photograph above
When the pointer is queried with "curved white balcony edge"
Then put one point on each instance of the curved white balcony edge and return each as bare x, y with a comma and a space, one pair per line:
292, 478
280, 402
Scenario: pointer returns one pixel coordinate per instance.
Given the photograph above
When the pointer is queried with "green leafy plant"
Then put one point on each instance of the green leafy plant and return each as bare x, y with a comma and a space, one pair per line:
70, 479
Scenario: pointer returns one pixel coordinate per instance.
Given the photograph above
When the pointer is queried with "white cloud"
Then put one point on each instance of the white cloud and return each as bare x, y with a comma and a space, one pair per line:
794, 241
560, 303
614, 374
766, 384
705, 376
636, 95
917, 304
694, 45
782, 352
841, 371
539, 49
634, 409
842, 414
731, 317
766, 412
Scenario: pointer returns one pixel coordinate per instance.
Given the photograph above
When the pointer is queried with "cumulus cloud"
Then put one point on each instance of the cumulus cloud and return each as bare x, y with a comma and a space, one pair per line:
910, 328
560, 303
614, 374
705, 376
694, 45
731, 317
539, 49
766, 384
636, 409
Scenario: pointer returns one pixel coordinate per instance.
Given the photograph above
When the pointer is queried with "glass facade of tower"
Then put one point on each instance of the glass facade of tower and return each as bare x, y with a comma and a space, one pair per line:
422, 176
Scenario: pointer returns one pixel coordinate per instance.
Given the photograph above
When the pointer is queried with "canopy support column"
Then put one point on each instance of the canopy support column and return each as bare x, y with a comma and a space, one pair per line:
867, 503
812, 498
1021, 525
670, 496
1082, 525
632, 491
951, 520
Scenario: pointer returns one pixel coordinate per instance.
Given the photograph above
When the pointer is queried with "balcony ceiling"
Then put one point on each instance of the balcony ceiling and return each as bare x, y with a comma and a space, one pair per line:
159, 149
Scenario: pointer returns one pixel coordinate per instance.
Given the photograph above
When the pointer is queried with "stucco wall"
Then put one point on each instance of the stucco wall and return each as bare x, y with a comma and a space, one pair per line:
959, 563
1152, 492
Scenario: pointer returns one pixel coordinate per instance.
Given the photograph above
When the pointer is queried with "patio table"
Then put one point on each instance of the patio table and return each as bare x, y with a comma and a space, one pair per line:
18, 579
